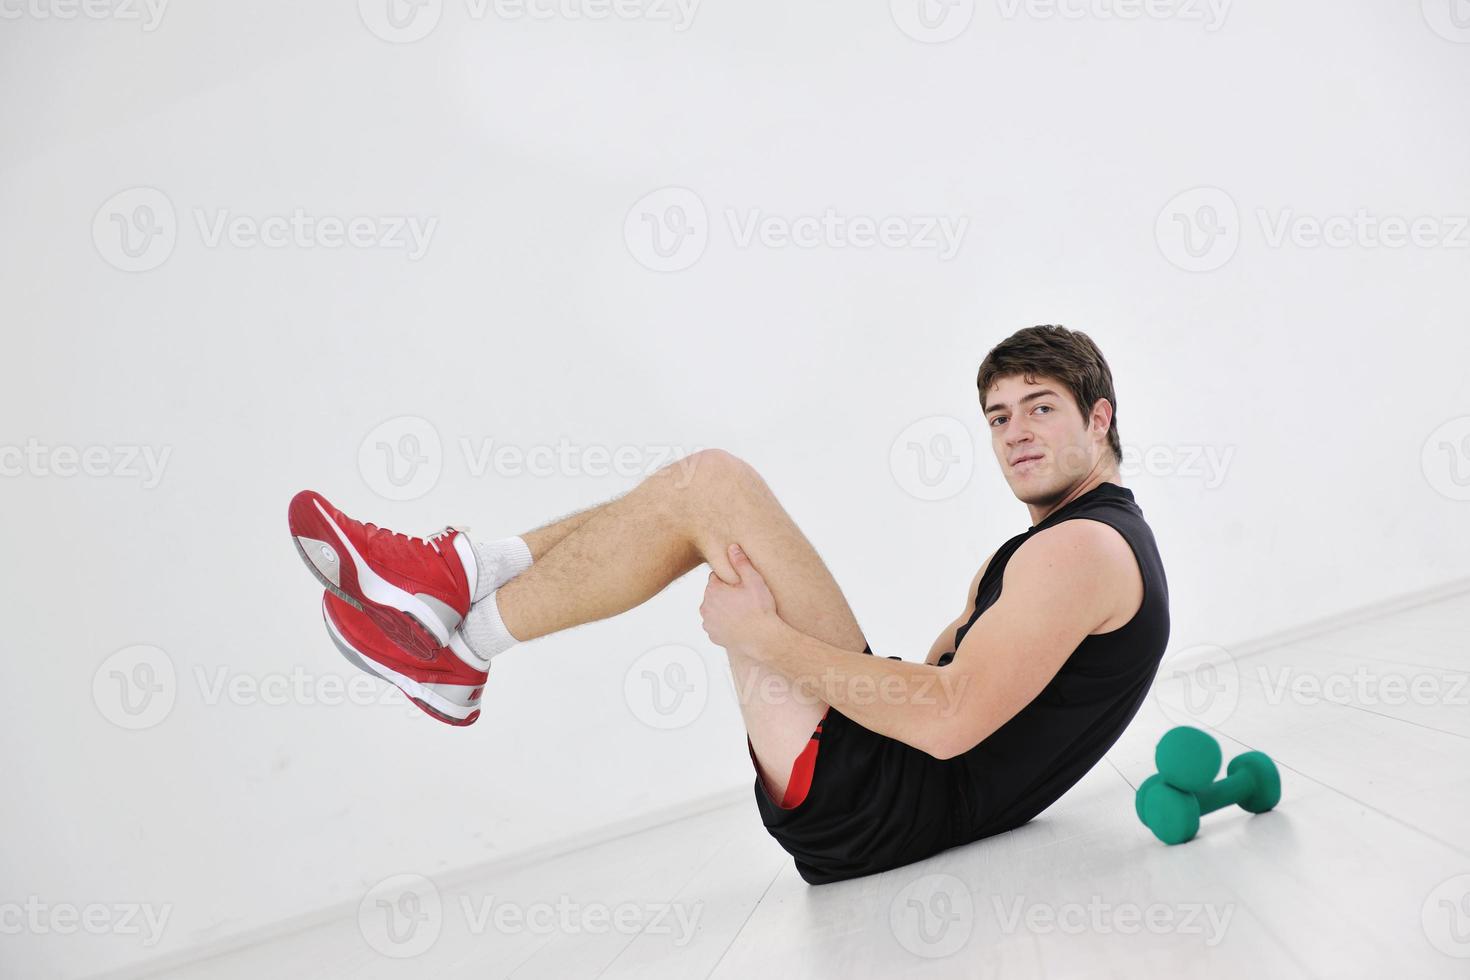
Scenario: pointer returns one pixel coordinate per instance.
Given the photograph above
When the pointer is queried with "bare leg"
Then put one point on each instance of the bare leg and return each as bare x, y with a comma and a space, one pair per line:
548, 536
631, 548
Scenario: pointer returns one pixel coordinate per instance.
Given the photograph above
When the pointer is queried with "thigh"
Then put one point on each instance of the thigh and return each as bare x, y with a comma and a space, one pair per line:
734, 504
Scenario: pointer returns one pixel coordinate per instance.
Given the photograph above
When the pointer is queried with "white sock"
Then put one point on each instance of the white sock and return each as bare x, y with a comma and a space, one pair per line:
500, 561
484, 631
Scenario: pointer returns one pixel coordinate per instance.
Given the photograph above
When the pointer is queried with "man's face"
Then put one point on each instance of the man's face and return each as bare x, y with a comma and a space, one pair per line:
1041, 440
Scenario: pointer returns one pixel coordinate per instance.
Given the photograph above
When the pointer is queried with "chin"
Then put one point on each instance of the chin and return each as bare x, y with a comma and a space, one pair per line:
1036, 490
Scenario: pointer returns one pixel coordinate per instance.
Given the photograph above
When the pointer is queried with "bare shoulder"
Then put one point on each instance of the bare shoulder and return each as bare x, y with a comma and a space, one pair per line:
1089, 561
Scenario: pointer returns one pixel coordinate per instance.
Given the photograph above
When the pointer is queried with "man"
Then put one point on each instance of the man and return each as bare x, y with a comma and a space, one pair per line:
862, 763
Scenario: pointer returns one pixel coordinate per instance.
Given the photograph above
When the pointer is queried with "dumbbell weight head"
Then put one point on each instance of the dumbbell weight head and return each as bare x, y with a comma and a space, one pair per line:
1187, 758
1265, 781
1172, 814
1142, 792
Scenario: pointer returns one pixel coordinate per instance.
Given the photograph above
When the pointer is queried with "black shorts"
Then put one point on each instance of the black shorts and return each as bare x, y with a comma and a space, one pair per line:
875, 803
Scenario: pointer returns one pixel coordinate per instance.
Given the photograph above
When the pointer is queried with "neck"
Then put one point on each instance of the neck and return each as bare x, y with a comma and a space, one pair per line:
1040, 512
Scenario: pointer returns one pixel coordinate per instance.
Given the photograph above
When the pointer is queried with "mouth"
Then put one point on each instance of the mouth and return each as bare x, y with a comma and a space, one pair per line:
1028, 458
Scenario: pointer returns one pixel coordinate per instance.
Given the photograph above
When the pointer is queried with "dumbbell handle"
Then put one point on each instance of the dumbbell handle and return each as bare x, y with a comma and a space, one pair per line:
1232, 789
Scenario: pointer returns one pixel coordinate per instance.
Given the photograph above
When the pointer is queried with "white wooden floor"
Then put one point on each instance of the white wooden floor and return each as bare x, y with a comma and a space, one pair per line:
1362, 871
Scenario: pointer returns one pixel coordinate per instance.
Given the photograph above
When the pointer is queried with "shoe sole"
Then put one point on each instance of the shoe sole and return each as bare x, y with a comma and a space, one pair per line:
429, 702
406, 620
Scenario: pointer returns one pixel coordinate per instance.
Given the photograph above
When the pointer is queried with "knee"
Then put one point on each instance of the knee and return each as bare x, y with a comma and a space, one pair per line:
704, 488
716, 469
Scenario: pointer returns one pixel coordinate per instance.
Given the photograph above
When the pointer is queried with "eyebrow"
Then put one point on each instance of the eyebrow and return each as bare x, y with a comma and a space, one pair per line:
1031, 397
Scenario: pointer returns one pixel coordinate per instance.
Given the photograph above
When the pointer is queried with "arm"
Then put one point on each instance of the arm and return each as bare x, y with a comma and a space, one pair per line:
913, 703
945, 641
1058, 587
874, 687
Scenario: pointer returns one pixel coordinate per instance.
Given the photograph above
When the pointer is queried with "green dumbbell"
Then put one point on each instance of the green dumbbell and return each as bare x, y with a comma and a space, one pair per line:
1171, 801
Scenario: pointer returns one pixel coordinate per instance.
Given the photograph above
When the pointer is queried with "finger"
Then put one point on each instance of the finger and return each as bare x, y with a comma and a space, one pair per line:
720, 568
741, 563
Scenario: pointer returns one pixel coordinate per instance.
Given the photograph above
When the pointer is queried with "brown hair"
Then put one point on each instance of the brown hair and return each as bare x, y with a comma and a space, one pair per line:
1070, 356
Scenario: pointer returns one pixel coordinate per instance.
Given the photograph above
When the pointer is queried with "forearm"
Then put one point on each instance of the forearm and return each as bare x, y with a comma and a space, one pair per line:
941, 646
917, 704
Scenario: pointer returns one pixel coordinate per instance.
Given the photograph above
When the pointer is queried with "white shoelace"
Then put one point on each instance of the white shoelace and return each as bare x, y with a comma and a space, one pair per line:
433, 540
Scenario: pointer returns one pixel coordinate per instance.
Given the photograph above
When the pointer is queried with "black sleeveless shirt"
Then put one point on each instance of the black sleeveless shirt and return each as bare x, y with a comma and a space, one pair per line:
1031, 760
877, 803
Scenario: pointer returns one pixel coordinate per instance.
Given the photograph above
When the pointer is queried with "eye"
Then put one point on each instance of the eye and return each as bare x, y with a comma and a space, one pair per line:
995, 420
1040, 407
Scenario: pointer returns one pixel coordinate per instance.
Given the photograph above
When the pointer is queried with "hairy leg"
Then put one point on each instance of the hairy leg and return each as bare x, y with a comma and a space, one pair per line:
548, 536
685, 515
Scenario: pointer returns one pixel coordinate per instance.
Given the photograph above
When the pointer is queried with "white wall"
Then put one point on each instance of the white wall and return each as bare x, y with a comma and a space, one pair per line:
1318, 374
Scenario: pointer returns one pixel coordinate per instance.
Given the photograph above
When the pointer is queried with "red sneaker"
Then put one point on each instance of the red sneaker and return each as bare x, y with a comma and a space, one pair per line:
447, 689
417, 590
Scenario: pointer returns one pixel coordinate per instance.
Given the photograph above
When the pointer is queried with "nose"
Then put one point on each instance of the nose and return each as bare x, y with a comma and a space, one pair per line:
1017, 435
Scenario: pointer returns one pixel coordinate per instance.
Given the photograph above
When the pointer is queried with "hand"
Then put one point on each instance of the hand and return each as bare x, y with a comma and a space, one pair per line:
739, 617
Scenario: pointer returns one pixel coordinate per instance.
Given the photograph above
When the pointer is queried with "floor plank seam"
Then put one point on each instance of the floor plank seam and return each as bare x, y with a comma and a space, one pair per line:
741, 931
1348, 796
673, 896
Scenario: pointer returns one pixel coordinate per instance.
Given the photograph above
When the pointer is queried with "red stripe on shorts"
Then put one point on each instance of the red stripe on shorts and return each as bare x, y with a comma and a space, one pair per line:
801, 770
